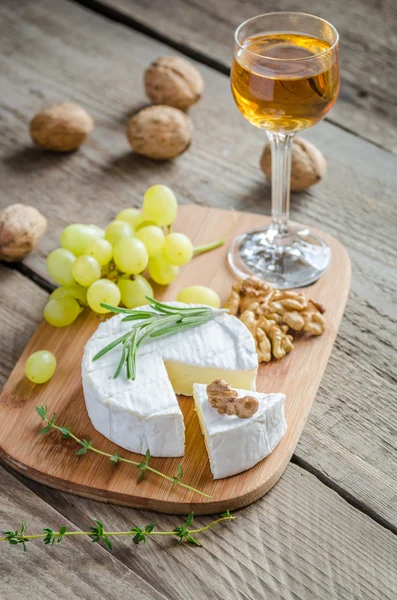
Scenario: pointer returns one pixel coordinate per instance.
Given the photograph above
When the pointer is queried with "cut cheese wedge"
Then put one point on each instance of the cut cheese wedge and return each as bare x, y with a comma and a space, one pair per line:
144, 414
233, 444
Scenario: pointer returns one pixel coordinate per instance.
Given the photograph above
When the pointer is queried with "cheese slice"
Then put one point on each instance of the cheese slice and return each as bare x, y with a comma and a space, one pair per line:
233, 444
144, 414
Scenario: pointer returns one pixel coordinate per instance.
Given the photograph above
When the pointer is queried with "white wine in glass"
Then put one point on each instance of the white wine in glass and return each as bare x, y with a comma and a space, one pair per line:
285, 78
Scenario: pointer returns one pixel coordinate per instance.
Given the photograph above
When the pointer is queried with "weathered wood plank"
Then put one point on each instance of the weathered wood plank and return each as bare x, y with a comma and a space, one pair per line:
21, 307
300, 541
367, 103
351, 435
71, 53
76, 569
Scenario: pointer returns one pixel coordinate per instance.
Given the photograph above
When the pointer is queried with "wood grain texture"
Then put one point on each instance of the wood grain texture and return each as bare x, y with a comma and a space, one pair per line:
301, 541
79, 569
21, 308
70, 53
367, 103
48, 462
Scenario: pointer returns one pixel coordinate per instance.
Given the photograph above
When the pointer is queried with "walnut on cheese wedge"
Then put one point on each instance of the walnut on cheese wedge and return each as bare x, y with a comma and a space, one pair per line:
226, 401
235, 444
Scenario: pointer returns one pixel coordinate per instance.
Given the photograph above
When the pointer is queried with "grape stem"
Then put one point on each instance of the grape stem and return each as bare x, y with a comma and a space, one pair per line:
208, 247
217, 243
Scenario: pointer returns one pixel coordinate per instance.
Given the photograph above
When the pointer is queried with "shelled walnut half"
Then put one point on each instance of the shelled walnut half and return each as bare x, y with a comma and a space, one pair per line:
226, 401
271, 314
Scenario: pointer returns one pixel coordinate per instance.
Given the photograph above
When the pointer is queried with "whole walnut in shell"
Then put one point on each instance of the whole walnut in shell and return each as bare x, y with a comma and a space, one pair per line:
21, 227
160, 132
308, 165
61, 127
173, 81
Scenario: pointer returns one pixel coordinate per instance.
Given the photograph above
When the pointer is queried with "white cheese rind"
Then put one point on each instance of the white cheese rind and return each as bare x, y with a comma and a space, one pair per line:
138, 415
223, 342
144, 414
233, 444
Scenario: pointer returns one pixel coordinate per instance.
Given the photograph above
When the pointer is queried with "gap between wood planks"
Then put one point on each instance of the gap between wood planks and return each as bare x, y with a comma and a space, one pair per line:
30, 274
304, 465
123, 19
349, 498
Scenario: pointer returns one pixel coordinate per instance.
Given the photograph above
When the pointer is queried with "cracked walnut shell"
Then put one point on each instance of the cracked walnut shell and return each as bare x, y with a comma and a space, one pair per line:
21, 227
308, 165
61, 127
173, 81
160, 132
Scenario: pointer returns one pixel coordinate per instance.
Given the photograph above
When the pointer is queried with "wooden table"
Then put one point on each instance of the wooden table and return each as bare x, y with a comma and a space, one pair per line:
328, 528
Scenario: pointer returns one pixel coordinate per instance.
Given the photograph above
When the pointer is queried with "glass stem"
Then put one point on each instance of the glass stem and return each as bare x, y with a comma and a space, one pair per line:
281, 148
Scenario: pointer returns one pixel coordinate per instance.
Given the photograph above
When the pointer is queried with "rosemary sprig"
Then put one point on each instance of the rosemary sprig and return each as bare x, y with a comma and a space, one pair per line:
97, 533
162, 320
86, 445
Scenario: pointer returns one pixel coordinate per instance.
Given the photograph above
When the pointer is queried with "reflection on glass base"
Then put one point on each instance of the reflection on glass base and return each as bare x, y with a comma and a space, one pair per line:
290, 260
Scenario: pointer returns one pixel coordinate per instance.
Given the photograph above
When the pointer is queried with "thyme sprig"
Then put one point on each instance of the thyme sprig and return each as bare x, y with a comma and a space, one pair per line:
162, 320
97, 533
86, 445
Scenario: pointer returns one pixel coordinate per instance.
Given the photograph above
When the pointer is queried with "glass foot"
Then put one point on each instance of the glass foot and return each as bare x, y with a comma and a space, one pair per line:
290, 260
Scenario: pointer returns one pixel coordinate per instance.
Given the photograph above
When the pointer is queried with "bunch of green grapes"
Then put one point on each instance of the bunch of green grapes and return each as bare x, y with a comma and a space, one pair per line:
166, 251
95, 266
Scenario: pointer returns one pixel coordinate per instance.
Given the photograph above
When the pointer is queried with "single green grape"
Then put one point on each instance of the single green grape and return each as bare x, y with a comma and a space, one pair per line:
134, 290
152, 237
178, 249
74, 291
86, 270
117, 230
161, 271
101, 250
99, 231
59, 266
132, 216
160, 205
130, 256
144, 223
62, 312
40, 366
105, 291
199, 294
76, 237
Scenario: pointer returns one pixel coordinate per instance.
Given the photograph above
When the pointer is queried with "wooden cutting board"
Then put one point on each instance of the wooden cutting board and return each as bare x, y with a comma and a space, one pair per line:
52, 461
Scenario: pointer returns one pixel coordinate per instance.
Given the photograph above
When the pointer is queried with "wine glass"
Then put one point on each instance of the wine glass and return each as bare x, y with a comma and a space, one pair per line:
284, 78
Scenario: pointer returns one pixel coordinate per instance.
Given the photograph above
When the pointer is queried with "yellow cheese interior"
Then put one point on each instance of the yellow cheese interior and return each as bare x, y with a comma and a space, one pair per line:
203, 429
183, 376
